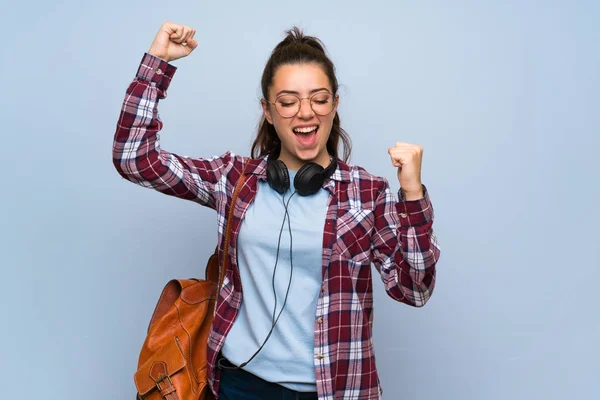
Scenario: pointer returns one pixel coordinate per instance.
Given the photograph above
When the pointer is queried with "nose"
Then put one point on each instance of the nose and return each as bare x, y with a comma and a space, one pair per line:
306, 111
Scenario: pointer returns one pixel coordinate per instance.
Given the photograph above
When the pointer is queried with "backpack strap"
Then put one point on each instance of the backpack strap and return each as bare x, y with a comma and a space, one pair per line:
213, 272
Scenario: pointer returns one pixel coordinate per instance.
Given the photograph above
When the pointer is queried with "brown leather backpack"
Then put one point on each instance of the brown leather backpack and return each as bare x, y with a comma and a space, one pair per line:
172, 362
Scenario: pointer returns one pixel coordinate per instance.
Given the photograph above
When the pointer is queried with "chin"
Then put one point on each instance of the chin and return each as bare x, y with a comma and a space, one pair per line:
308, 155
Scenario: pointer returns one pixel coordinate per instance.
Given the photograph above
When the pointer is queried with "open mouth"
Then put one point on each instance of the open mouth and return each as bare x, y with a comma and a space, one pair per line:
307, 135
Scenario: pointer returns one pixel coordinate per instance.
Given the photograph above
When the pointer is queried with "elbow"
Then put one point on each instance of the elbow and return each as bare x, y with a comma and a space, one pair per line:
127, 169
120, 170
413, 293
421, 300
417, 300
133, 165
118, 164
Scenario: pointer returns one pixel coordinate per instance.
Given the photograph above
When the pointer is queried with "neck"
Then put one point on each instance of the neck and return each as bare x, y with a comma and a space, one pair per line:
295, 163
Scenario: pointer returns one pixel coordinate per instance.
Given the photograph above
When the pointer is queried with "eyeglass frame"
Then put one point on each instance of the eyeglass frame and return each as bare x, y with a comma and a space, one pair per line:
334, 98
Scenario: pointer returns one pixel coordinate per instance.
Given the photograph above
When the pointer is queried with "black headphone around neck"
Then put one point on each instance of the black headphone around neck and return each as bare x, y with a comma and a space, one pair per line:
309, 178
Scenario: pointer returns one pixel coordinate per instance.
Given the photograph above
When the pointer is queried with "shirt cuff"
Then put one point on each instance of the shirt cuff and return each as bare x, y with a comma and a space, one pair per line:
153, 69
414, 212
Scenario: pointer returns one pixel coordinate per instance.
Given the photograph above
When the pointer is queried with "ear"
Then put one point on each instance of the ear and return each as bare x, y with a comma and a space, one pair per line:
337, 102
266, 111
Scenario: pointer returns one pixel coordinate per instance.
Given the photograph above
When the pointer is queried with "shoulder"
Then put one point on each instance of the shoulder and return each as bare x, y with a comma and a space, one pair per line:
361, 184
251, 167
227, 167
234, 162
357, 175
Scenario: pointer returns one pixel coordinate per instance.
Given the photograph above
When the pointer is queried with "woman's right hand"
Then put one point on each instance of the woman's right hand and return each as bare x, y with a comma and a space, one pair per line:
173, 41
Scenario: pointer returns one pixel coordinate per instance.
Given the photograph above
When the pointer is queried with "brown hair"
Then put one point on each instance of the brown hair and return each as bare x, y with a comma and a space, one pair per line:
297, 48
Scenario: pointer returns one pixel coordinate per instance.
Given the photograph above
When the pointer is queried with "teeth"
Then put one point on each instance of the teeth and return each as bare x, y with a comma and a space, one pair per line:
306, 130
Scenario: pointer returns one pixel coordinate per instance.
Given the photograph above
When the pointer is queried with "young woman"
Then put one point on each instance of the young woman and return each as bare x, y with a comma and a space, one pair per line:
306, 228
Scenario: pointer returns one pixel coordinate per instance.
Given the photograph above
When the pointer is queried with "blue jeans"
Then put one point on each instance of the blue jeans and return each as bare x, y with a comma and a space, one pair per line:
237, 384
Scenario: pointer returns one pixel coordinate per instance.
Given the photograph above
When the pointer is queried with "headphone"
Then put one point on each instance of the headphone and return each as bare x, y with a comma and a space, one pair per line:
309, 179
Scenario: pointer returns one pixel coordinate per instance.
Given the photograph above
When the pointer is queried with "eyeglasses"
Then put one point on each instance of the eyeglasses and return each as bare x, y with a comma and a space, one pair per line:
288, 105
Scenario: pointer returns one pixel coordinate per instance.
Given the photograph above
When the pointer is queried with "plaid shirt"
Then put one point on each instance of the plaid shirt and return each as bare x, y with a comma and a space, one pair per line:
365, 224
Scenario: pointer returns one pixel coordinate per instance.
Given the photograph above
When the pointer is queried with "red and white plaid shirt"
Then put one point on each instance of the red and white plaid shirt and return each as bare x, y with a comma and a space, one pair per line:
364, 224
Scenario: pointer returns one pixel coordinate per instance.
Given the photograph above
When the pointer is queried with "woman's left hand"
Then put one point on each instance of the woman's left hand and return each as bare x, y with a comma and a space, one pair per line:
408, 158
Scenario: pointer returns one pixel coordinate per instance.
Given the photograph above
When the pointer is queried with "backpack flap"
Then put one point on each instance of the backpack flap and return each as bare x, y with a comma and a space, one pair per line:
164, 363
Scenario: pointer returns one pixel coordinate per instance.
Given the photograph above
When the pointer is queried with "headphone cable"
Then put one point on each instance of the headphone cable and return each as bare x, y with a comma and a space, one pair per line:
273, 319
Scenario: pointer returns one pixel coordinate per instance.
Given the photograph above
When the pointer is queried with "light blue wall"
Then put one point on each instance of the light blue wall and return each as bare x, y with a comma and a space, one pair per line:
503, 96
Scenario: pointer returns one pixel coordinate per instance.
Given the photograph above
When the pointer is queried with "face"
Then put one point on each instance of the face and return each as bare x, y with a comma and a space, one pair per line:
301, 143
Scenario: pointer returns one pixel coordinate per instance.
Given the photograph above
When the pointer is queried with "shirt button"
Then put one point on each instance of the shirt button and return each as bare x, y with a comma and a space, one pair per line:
159, 71
320, 356
320, 320
323, 289
403, 215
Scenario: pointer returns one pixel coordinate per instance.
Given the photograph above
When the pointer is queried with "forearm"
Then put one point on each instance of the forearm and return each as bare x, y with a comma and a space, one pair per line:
411, 195
416, 264
136, 150
407, 250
